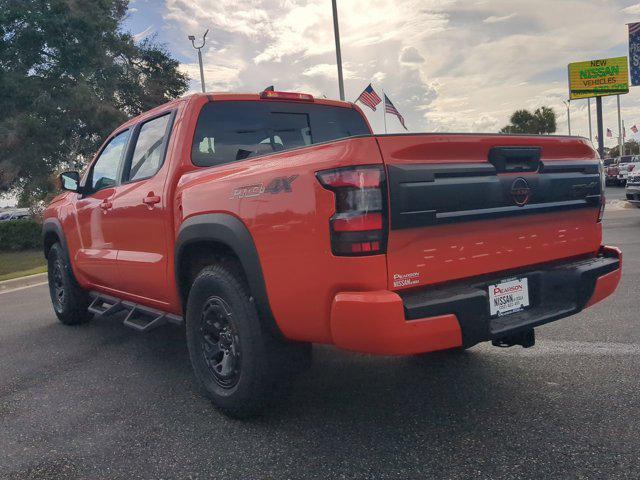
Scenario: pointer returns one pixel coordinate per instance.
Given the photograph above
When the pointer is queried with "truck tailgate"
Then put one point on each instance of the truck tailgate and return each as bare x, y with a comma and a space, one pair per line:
468, 205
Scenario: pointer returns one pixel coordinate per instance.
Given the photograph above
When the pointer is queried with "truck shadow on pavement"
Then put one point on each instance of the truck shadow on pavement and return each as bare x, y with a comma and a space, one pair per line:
341, 384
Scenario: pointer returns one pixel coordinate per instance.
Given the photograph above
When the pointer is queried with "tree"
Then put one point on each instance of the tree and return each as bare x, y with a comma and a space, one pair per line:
631, 147
542, 121
69, 75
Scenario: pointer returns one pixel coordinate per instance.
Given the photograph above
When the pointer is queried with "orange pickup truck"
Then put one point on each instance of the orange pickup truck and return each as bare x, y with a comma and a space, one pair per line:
267, 222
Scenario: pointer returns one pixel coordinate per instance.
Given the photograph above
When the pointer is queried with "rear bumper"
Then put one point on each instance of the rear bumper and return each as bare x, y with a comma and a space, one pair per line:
455, 315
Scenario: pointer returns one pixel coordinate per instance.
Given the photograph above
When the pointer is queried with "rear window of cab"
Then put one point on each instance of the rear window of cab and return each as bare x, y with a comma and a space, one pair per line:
229, 131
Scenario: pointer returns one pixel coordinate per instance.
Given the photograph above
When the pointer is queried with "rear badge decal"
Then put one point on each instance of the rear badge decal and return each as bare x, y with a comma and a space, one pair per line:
406, 279
277, 185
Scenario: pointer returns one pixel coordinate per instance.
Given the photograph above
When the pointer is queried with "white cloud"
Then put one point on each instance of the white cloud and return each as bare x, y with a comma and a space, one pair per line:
632, 9
497, 19
143, 34
446, 64
411, 55
328, 70
379, 76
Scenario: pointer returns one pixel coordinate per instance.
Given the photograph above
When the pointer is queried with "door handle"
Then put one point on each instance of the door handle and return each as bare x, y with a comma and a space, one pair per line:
151, 200
106, 205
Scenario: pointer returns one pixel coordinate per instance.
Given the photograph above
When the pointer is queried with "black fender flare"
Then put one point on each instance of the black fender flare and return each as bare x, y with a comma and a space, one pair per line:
53, 225
228, 230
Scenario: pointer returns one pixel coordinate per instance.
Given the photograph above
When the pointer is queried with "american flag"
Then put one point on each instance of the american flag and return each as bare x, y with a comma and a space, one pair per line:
390, 108
369, 97
634, 129
609, 133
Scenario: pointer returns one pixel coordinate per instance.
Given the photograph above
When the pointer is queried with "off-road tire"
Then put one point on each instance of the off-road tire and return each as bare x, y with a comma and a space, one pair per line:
237, 361
69, 300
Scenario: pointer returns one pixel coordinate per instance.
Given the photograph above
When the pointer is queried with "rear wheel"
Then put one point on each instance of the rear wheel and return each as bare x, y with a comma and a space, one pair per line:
237, 361
69, 300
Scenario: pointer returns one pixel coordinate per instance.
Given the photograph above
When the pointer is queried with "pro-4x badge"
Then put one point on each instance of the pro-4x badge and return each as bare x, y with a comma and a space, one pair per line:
275, 186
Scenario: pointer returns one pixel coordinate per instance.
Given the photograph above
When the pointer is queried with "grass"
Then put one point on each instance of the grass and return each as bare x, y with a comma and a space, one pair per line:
20, 264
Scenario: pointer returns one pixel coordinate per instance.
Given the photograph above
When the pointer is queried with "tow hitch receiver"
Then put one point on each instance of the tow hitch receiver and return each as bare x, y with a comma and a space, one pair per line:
526, 339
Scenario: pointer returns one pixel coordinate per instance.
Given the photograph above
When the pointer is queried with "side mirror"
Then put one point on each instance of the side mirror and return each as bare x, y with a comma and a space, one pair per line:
70, 181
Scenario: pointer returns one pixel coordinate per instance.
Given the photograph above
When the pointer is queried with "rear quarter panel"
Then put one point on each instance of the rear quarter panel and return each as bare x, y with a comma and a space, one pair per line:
290, 229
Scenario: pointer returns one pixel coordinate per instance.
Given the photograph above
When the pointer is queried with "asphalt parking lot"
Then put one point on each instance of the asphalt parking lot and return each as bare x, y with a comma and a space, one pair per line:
102, 401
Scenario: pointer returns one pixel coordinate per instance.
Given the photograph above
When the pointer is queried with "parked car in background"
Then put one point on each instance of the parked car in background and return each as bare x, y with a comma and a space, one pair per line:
19, 214
633, 187
627, 163
611, 171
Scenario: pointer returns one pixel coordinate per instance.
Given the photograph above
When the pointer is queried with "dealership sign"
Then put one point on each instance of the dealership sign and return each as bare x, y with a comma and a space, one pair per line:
597, 78
634, 52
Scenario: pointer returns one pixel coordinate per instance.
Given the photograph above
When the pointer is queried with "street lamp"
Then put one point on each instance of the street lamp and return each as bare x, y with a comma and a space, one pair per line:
568, 103
193, 43
336, 33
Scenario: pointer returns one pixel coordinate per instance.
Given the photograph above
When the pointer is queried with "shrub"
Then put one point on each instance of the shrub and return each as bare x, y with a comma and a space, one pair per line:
20, 235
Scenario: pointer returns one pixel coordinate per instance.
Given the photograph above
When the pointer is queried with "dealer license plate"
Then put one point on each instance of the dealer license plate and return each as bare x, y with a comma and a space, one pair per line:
509, 296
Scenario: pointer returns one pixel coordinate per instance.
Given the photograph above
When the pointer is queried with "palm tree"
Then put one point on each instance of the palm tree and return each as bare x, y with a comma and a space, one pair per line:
542, 121
545, 120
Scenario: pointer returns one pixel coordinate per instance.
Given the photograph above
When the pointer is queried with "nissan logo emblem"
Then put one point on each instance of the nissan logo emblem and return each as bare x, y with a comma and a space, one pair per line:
520, 191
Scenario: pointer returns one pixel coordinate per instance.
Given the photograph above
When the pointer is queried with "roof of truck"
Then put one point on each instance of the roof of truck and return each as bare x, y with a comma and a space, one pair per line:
256, 97
222, 96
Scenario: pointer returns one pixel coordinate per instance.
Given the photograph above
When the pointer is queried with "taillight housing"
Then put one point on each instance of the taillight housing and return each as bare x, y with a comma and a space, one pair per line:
359, 226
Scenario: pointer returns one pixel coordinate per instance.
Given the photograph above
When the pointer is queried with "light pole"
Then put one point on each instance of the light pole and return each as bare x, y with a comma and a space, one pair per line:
620, 129
336, 32
568, 103
590, 134
193, 43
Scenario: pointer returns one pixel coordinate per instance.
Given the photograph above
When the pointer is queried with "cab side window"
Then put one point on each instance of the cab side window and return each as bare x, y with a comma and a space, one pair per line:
105, 170
149, 150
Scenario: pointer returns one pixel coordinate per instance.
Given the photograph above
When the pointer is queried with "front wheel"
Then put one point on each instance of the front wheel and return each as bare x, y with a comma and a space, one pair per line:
69, 300
236, 360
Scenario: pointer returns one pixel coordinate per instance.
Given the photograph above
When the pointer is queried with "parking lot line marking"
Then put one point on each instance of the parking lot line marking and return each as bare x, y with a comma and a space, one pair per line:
554, 347
23, 288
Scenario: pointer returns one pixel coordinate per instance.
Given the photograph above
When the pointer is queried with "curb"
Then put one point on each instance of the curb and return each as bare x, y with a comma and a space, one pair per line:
22, 282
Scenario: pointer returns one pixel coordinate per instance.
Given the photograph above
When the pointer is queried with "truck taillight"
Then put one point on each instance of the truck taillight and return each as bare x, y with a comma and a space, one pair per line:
359, 226
630, 168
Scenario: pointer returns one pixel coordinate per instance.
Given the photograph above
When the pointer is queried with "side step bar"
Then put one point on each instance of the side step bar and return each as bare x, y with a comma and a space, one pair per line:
139, 317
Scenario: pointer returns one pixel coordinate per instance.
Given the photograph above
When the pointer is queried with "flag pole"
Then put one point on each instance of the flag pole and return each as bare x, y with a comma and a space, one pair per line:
589, 105
600, 128
384, 110
620, 144
336, 33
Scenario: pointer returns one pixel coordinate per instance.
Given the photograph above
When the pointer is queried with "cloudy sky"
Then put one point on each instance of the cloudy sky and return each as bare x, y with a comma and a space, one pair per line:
448, 65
